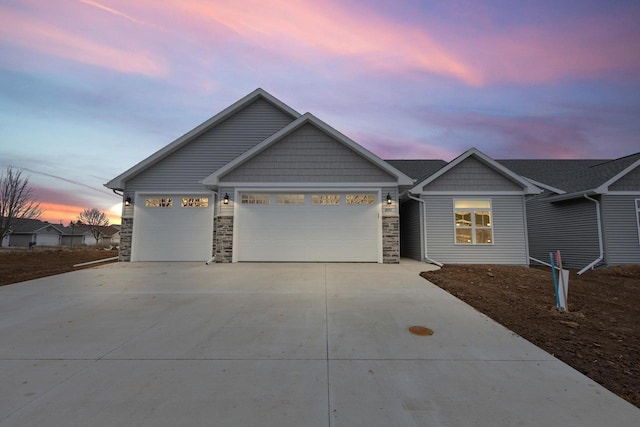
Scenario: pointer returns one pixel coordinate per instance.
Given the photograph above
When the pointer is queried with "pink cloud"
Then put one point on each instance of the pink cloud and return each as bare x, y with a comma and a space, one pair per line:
580, 48
309, 30
39, 35
395, 147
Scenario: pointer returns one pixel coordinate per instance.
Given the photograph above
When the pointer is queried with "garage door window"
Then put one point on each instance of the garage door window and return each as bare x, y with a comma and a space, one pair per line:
159, 202
325, 199
255, 199
195, 202
361, 199
290, 199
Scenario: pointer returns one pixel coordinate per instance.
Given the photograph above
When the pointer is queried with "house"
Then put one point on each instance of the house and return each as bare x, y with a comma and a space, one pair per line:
589, 210
470, 210
31, 232
82, 234
261, 182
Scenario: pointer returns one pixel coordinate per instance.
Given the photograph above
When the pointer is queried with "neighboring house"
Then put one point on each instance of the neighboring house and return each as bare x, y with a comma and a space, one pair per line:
470, 210
589, 210
29, 232
115, 238
261, 182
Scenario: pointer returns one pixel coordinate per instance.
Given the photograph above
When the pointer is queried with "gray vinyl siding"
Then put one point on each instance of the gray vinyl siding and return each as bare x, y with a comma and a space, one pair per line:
629, 182
410, 230
308, 155
570, 227
184, 168
472, 175
226, 210
509, 233
620, 223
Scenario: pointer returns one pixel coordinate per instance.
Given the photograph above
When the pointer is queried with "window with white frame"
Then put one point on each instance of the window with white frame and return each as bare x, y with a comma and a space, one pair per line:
325, 199
159, 202
473, 222
361, 199
255, 199
638, 217
290, 199
195, 202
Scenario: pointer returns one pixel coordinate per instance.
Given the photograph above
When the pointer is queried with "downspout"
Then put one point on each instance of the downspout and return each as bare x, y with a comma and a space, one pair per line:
423, 221
599, 221
215, 205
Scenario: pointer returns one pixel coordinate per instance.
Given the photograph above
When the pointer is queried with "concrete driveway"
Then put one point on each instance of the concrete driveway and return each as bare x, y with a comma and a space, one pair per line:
160, 344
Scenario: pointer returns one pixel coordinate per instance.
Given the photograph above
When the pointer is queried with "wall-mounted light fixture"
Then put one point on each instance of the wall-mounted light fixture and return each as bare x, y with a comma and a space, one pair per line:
389, 201
127, 201
226, 199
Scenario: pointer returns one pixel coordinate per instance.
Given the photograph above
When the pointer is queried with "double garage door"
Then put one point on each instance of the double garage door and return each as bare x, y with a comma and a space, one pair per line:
268, 226
312, 227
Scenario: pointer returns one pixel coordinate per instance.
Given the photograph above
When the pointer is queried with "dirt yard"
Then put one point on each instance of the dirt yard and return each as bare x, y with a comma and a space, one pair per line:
18, 266
599, 336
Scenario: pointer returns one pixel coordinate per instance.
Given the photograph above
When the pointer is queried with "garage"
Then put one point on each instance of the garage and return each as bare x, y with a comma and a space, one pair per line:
173, 227
326, 226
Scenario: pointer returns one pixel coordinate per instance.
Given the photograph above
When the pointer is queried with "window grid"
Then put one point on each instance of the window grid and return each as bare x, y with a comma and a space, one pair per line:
325, 199
195, 202
290, 199
255, 199
473, 222
361, 199
159, 202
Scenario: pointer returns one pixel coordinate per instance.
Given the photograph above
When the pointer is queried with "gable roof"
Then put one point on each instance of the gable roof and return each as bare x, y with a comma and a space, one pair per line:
527, 186
117, 183
418, 169
31, 226
576, 177
307, 118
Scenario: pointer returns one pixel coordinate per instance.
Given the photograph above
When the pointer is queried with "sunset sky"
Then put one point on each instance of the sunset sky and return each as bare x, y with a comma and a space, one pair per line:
88, 88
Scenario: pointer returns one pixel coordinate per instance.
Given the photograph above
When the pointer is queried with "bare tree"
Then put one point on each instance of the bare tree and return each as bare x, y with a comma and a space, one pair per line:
94, 219
17, 201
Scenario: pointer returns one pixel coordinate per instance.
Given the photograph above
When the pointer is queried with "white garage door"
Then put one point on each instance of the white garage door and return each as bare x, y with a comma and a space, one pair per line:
313, 227
48, 239
172, 228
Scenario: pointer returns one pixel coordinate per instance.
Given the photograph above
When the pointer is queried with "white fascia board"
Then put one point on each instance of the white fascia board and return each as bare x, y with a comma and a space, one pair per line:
569, 196
43, 227
117, 183
214, 178
604, 188
545, 186
528, 187
468, 193
308, 185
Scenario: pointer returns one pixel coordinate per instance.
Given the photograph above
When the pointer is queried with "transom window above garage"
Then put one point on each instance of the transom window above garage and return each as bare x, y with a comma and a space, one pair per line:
325, 199
255, 199
195, 202
361, 199
159, 202
473, 222
290, 199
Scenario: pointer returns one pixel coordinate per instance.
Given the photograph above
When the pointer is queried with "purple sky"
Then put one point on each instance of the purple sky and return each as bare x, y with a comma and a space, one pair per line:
90, 87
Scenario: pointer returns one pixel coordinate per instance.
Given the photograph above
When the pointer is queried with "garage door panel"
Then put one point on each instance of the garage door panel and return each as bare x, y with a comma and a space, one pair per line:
311, 233
173, 233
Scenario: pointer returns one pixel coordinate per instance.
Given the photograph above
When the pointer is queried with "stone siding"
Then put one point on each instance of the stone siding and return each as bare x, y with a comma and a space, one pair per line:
224, 239
391, 240
126, 233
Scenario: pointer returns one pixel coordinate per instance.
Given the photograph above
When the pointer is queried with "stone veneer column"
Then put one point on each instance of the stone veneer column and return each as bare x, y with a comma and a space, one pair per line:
224, 238
126, 233
390, 240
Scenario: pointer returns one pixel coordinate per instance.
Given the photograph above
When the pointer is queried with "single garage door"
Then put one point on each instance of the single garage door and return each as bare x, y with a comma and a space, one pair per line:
176, 227
48, 239
308, 227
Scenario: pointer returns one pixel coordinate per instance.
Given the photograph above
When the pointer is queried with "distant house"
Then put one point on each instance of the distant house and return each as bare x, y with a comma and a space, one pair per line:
30, 232
83, 234
589, 209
